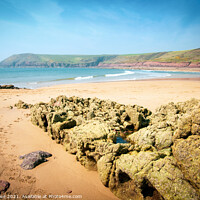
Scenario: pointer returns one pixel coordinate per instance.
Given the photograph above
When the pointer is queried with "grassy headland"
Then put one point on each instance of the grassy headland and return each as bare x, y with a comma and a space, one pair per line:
186, 57
172, 56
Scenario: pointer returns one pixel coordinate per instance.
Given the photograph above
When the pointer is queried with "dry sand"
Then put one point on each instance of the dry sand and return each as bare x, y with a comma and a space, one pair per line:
62, 173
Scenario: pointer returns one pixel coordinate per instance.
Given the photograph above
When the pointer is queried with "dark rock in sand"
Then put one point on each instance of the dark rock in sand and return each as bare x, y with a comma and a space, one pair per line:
8, 87
33, 159
4, 185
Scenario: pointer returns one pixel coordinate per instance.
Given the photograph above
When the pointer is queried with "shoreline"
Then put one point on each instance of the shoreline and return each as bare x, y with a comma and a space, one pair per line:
82, 79
120, 81
86, 89
117, 81
167, 69
172, 79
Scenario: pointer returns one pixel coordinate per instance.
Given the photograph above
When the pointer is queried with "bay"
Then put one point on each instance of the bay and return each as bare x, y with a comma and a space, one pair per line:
43, 77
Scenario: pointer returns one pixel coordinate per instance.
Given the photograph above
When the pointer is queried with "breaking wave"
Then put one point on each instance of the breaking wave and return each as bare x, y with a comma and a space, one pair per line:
120, 74
83, 77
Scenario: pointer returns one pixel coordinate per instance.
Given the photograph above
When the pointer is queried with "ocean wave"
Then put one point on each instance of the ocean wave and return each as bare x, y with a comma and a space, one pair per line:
162, 75
32, 83
83, 77
157, 74
120, 74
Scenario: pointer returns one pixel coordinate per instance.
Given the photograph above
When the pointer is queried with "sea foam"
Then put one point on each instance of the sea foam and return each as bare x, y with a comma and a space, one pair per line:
120, 74
83, 77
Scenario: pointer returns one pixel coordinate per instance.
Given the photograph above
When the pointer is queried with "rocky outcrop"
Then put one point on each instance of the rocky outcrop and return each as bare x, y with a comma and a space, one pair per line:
8, 87
169, 123
65, 113
88, 127
152, 170
31, 160
161, 160
164, 160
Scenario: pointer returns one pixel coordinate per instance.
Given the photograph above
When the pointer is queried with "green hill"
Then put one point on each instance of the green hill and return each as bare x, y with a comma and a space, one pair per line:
173, 56
43, 60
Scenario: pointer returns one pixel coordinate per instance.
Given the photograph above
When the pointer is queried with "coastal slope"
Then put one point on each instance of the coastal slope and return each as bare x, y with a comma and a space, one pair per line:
178, 59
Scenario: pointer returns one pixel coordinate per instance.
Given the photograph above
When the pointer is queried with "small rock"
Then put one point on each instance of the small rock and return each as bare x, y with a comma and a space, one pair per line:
69, 191
33, 159
22, 105
4, 185
90, 115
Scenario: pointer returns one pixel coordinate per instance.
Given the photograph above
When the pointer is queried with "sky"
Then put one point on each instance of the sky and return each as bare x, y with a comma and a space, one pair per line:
98, 26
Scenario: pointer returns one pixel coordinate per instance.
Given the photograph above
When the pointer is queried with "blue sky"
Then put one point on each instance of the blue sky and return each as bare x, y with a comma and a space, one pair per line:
98, 26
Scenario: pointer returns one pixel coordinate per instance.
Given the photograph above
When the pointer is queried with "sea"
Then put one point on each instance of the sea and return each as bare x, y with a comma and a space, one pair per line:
33, 78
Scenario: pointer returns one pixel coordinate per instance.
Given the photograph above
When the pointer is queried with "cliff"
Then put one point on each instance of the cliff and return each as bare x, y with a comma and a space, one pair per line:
153, 65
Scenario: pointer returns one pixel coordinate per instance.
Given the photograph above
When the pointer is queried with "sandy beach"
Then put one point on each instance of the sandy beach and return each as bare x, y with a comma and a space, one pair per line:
62, 174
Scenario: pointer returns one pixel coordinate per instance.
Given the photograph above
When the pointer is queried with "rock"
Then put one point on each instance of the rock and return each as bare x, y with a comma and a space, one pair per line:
128, 125
70, 114
64, 125
79, 120
184, 127
143, 137
169, 181
4, 185
90, 115
187, 154
104, 166
22, 105
124, 117
82, 110
137, 117
196, 117
65, 113
170, 122
167, 176
59, 117
145, 168
109, 154
163, 138
145, 175
93, 106
188, 124
85, 139
129, 172
8, 87
33, 159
